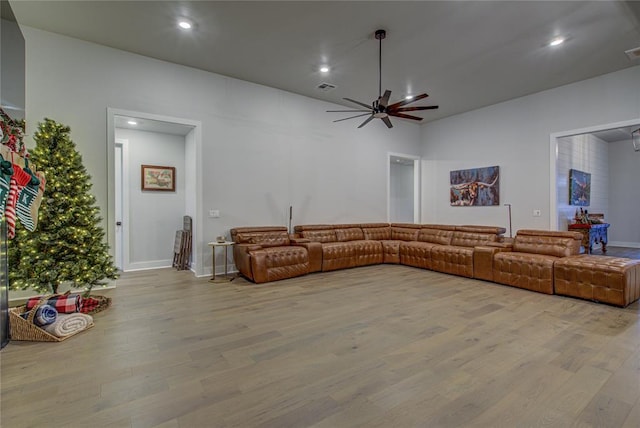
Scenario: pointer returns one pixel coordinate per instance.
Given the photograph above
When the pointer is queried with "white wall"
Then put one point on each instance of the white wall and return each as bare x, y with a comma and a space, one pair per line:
262, 149
585, 153
12, 68
515, 135
624, 195
401, 182
154, 217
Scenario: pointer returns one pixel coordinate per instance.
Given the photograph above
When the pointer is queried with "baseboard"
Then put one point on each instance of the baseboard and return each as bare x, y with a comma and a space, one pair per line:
623, 244
154, 264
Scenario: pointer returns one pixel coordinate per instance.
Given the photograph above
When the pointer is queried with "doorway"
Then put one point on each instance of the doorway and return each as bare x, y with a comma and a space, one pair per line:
403, 184
158, 140
607, 154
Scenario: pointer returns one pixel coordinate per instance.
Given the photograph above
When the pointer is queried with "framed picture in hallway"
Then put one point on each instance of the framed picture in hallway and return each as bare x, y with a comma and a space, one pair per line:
158, 178
475, 187
579, 188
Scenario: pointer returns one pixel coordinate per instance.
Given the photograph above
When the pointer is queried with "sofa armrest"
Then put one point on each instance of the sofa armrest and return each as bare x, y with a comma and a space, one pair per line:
242, 258
483, 260
295, 241
315, 253
502, 246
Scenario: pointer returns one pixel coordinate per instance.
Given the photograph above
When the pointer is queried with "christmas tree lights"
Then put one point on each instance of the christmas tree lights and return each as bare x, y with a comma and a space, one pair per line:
68, 244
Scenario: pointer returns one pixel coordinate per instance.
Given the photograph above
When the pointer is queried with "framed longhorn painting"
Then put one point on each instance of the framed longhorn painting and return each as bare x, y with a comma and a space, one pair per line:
475, 187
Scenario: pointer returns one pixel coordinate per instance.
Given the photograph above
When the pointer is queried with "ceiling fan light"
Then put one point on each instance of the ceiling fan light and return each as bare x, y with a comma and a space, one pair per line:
324, 69
557, 41
408, 97
132, 122
185, 24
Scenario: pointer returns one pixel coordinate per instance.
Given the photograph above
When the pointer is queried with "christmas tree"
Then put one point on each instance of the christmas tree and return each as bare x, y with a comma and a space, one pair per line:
68, 244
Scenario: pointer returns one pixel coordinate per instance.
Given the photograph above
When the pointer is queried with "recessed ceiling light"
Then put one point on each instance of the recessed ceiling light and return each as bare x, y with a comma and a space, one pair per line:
185, 24
132, 122
324, 69
557, 41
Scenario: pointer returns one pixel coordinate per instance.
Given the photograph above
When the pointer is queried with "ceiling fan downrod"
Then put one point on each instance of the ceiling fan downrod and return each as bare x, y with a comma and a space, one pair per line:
380, 35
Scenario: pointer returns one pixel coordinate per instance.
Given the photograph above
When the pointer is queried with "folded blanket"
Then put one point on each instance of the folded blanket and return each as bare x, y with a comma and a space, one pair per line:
45, 315
64, 303
67, 324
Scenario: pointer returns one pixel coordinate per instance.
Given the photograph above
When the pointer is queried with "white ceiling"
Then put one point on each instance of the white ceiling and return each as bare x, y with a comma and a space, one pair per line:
464, 54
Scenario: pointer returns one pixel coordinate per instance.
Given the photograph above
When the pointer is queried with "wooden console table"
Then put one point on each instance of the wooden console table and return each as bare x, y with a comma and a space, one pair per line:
592, 234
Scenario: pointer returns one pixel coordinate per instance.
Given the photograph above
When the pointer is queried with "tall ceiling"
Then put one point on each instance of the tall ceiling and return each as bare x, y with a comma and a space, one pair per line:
464, 54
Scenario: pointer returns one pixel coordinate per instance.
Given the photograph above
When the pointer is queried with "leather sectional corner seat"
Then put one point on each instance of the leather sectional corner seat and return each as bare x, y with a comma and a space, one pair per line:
265, 254
534, 260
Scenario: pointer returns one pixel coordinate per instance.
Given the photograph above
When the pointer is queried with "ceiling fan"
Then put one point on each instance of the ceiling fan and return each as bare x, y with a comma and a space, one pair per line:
380, 108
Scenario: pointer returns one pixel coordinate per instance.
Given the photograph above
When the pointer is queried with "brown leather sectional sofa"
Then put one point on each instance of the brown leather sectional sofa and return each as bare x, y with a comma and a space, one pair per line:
264, 254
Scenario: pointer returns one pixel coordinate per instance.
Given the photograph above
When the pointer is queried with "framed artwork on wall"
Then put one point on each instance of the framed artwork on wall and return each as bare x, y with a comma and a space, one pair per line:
158, 178
475, 187
579, 188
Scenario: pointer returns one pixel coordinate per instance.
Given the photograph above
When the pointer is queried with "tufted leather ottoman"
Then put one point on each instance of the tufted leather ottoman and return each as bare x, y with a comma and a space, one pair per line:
604, 279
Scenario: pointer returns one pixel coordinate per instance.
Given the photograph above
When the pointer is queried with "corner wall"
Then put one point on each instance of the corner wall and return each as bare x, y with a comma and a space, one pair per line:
515, 135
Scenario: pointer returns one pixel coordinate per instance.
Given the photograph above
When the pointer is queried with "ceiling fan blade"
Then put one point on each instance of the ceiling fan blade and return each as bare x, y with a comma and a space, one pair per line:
352, 117
366, 121
404, 116
358, 102
405, 102
415, 108
347, 111
384, 100
387, 121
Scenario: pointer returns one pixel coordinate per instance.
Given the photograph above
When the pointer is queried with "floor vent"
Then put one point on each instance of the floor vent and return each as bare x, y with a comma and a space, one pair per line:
633, 54
326, 87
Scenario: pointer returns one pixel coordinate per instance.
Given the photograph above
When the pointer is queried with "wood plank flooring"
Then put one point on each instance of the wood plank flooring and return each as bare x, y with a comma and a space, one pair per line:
380, 346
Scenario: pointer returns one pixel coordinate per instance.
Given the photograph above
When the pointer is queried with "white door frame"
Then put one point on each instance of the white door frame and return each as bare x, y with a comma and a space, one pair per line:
124, 201
416, 184
553, 159
194, 163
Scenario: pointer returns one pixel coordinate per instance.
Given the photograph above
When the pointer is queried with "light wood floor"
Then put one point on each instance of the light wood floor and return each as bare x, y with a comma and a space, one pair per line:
380, 346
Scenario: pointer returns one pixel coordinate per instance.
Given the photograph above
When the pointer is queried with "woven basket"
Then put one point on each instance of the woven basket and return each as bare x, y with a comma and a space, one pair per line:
103, 303
25, 329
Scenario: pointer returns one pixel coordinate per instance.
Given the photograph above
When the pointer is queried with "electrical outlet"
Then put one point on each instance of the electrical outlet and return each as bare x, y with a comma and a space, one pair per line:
537, 213
214, 213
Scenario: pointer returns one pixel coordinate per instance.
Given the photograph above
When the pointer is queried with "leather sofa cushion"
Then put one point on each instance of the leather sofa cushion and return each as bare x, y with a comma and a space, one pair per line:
377, 233
550, 243
350, 234
321, 235
472, 239
404, 233
612, 280
435, 236
341, 255
417, 254
263, 238
273, 264
456, 260
529, 271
